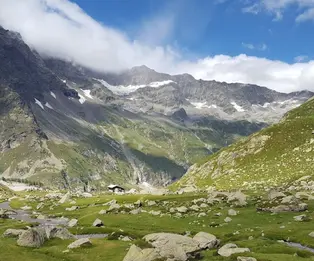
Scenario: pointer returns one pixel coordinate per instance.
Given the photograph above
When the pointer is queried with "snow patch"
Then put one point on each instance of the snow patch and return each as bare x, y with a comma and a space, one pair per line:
202, 105
87, 93
64, 81
53, 95
123, 90
146, 184
82, 99
39, 104
48, 105
237, 107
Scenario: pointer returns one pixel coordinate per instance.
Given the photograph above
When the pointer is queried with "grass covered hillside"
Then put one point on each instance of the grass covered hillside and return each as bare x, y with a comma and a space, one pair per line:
274, 156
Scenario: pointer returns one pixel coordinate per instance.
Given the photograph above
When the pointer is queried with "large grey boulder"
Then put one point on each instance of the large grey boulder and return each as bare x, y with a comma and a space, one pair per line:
137, 254
32, 238
172, 246
135, 211
13, 232
58, 232
82, 242
206, 240
230, 249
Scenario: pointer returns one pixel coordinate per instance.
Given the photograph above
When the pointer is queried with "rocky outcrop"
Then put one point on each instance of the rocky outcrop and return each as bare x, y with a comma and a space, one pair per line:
32, 238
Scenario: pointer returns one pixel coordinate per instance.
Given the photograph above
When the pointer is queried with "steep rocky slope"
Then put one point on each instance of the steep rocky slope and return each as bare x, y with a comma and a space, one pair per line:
275, 156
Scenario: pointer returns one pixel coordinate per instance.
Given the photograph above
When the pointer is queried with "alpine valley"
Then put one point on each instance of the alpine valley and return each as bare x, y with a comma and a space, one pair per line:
68, 126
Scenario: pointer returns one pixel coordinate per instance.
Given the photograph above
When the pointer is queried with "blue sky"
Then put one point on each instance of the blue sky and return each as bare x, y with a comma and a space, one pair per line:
264, 42
205, 27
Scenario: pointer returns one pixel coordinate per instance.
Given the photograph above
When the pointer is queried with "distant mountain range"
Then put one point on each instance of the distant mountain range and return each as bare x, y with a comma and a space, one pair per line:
276, 156
68, 126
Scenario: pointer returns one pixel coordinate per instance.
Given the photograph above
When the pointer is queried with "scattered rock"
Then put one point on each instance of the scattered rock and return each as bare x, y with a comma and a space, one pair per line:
206, 240
151, 203
114, 207
182, 209
26, 208
58, 232
232, 212
155, 213
311, 234
102, 212
72, 223
137, 254
135, 211
40, 205
98, 223
72, 208
301, 218
173, 246
66, 197
138, 203
275, 194
82, 242
230, 249
228, 219
13, 232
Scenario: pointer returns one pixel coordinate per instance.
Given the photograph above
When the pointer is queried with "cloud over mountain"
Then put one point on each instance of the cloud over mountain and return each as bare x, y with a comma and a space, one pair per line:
60, 28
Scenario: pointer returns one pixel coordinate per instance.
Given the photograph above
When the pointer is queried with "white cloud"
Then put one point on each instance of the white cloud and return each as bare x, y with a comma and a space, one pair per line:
60, 28
258, 47
305, 8
276, 75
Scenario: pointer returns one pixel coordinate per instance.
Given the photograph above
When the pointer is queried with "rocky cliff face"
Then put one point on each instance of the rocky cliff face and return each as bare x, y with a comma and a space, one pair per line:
67, 126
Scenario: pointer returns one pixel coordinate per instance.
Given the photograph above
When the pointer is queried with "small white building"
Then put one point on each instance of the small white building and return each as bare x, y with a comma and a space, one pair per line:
116, 188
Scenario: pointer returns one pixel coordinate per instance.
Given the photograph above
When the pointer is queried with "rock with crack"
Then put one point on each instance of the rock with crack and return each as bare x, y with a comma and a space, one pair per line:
82, 242
230, 249
172, 246
32, 238
137, 254
206, 240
